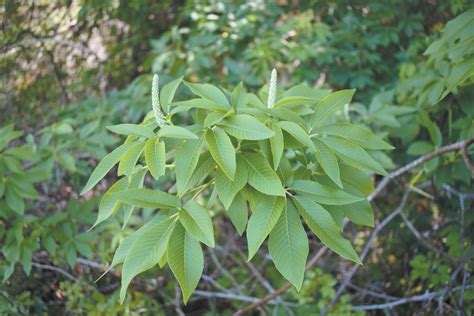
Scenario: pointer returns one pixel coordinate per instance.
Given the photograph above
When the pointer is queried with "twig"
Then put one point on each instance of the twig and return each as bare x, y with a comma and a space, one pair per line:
236, 297
372, 293
422, 240
281, 290
462, 145
412, 299
55, 269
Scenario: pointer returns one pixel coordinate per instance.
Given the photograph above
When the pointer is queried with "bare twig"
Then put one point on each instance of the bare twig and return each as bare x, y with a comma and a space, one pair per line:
236, 297
462, 145
282, 289
55, 269
412, 299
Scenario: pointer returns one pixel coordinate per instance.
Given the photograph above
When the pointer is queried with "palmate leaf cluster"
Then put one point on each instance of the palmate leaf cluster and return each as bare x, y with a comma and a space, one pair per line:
273, 167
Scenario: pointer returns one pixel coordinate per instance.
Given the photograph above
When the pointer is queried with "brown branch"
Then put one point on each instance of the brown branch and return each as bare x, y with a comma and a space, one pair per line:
461, 145
282, 289
465, 155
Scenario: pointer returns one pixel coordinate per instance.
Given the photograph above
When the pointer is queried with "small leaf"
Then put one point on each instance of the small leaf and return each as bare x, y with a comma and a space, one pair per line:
148, 198
295, 100
238, 213
297, 132
323, 226
105, 165
198, 103
354, 155
263, 219
186, 161
132, 129
288, 246
167, 94
204, 166
155, 157
124, 247
357, 135
130, 159
146, 251
329, 104
135, 183
214, 118
261, 175
176, 132
323, 194
328, 161
227, 189
110, 204
186, 260
239, 97
244, 126
277, 146
209, 92
197, 221
222, 151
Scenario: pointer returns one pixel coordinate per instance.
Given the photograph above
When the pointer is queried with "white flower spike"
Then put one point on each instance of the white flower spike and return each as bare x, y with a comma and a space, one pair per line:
272, 89
155, 101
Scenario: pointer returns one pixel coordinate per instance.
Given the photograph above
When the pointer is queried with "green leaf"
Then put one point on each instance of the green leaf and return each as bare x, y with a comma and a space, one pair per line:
328, 161
186, 260
204, 166
135, 183
357, 179
209, 92
357, 135
198, 103
176, 132
214, 118
238, 213
295, 100
244, 126
420, 148
125, 245
14, 201
167, 94
329, 104
323, 226
360, 213
155, 157
130, 159
222, 150
354, 155
297, 132
197, 221
288, 246
132, 129
323, 194
105, 165
277, 146
263, 219
227, 189
146, 251
110, 204
186, 161
261, 175
148, 198
239, 98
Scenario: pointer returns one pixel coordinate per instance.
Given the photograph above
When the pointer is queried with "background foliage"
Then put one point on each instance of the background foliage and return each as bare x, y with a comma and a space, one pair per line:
71, 68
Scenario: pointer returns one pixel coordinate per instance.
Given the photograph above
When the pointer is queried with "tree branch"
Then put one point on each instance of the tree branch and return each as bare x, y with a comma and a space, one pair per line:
462, 145
417, 298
